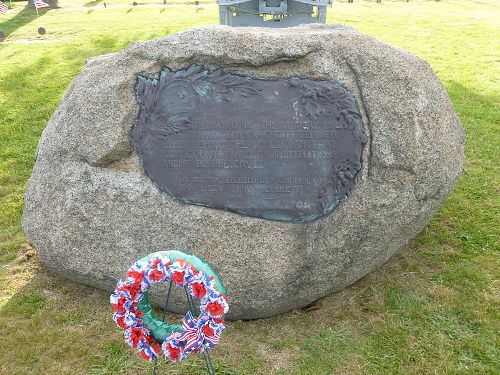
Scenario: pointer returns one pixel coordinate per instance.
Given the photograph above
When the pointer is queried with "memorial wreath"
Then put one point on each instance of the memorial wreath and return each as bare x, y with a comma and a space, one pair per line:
148, 334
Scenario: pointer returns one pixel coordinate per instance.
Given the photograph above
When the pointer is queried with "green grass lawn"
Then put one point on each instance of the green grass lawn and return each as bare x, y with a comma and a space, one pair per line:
434, 309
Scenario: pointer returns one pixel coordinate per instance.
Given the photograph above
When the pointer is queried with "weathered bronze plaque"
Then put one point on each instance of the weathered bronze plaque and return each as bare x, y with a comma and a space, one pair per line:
286, 149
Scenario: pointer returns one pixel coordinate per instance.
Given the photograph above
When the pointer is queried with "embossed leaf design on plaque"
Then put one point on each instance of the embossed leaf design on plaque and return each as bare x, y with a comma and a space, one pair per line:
285, 149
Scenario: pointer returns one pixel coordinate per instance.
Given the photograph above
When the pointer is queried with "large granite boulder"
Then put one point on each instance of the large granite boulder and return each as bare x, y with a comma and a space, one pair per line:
91, 210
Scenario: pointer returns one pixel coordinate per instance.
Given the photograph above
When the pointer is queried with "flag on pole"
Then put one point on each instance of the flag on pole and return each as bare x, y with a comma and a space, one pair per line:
40, 4
3, 8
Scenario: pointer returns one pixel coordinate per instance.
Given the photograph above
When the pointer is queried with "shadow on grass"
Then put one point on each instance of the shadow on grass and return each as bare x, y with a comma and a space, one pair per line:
24, 17
463, 95
391, 321
67, 319
42, 70
26, 76
479, 114
92, 3
47, 311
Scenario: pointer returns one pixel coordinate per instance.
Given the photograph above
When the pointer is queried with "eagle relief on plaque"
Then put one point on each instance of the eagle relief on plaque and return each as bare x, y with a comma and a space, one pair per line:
282, 149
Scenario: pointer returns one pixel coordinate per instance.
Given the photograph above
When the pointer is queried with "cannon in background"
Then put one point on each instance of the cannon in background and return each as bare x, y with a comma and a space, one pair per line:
272, 13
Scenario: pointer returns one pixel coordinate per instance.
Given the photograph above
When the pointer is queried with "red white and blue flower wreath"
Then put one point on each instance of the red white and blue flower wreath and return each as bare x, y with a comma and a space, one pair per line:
149, 335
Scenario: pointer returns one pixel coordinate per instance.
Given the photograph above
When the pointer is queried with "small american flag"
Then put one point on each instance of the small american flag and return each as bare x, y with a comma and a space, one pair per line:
3, 8
40, 4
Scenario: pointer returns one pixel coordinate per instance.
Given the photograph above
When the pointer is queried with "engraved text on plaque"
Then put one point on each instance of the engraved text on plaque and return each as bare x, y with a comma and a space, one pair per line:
286, 149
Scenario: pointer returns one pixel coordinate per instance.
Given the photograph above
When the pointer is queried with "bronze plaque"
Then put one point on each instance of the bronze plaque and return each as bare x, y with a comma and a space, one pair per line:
286, 149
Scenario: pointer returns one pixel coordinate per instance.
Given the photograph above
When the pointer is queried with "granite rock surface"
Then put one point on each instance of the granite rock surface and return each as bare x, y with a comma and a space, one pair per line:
91, 211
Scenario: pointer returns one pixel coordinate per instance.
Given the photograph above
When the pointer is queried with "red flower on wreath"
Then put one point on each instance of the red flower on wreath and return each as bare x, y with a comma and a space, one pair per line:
155, 262
155, 346
144, 355
119, 307
218, 320
120, 322
136, 275
207, 331
178, 277
215, 308
156, 275
133, 289
136, 335
199, 290
173, 352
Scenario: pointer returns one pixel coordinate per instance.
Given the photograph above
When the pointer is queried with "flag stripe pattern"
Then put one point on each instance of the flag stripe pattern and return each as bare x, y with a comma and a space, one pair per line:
198, 333
40, 4
3, 8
